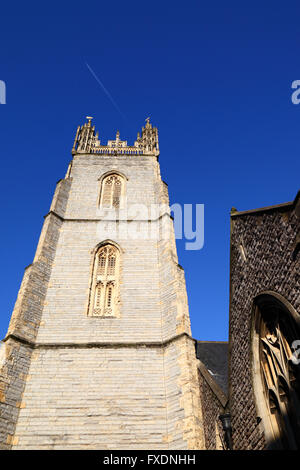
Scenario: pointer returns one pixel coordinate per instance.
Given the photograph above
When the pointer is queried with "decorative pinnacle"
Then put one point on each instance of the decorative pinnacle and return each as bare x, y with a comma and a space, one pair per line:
89, 118
87, 141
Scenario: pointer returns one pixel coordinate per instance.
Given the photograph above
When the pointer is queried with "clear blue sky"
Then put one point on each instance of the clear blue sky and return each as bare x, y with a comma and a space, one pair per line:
215, 77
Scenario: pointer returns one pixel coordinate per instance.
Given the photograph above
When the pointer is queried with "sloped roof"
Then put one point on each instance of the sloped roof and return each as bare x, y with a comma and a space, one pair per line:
214, 355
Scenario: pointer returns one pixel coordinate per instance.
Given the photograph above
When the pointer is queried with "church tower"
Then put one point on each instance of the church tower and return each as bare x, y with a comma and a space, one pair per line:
99, 353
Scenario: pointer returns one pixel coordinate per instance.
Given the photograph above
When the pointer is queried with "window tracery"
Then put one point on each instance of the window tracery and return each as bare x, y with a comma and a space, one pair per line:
280, 375
112, 191
105, 282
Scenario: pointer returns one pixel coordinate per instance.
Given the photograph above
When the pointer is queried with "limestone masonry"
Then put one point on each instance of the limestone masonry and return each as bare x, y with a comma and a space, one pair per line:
123, 375
99, 352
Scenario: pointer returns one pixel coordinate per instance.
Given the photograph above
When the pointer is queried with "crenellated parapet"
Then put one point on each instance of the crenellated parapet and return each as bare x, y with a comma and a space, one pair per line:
87, 141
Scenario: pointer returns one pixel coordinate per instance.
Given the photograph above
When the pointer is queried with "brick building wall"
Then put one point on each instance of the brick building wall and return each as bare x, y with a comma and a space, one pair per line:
213, 403
264, 257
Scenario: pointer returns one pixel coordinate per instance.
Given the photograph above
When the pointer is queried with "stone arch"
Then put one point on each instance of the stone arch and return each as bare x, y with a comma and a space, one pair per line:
117, 177
275, 375
112, 172
105, 281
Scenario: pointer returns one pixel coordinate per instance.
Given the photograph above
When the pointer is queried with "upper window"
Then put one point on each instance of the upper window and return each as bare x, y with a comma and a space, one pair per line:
112, 191
105, 283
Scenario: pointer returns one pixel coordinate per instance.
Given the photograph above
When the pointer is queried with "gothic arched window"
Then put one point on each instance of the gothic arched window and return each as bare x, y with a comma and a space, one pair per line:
112, 190
105, 282
276, 330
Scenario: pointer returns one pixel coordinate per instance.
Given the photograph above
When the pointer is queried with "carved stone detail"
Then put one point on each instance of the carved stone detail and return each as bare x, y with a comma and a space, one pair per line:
87, 141
104, 294
280, 376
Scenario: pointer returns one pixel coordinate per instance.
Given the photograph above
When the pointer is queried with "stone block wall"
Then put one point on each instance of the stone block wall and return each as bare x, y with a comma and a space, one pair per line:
104, 383
25, 321
94, 398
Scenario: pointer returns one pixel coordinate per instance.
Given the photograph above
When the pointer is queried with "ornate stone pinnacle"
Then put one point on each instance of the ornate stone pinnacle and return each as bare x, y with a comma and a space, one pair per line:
87, 141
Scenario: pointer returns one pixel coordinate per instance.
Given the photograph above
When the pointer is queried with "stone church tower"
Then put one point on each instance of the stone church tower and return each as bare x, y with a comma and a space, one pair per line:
99, 353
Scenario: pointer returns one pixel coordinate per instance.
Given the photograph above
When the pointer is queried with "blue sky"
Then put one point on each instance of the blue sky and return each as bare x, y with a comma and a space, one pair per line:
215, 77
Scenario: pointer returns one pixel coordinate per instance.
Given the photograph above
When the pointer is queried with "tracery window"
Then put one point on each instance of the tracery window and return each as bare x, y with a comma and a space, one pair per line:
105, 282
112, 191
280, 374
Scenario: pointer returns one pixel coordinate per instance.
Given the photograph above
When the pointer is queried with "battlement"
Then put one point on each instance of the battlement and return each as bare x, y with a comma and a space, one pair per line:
87, 141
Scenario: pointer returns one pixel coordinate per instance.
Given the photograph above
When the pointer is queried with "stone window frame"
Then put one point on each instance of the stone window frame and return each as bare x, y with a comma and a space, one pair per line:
94, 281
102, 179
261, 403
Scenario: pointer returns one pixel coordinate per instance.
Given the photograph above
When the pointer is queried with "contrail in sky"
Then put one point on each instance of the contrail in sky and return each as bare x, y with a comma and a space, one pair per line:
105, 90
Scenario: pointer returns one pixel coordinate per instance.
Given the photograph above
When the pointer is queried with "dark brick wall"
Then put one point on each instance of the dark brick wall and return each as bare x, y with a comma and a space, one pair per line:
269, 238
211, 410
